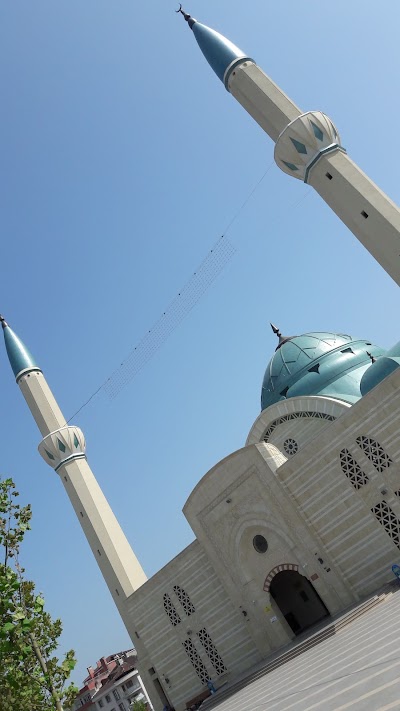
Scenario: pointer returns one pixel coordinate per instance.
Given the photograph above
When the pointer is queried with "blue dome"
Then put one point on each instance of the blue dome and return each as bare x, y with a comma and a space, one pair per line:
321, 363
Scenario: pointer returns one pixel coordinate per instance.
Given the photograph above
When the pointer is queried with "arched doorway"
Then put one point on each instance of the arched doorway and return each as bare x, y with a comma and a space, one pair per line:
297, 599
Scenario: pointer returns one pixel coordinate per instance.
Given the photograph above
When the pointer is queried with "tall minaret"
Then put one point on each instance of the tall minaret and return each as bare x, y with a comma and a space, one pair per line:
308, 147
63, 448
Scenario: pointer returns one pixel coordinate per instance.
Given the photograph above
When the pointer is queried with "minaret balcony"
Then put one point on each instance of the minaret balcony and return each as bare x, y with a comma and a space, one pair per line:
304, 141
62, 446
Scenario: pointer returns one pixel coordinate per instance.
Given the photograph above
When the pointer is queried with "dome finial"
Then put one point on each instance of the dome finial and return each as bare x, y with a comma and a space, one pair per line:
190, 20
3, 322
282, 339
276, 330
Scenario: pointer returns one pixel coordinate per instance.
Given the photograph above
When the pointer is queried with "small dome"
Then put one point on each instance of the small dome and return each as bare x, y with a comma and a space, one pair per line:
320, 363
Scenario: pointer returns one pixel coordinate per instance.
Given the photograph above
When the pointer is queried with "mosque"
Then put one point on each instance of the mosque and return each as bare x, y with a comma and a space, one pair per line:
304, 520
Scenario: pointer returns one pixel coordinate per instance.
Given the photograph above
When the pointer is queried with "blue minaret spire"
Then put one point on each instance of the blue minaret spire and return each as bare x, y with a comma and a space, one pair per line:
221, 54
307, 147
20, 358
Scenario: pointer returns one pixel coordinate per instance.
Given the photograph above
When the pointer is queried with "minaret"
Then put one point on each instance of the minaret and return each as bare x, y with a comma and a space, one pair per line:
308, 147
63, 448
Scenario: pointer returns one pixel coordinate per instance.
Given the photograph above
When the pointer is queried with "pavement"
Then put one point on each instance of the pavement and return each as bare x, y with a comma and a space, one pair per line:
356, 669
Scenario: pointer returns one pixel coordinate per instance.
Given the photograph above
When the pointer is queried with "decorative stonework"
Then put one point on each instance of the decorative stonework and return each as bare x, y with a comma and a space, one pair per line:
295, 416
196, 660
352, 469
290, 446
375, 453
185, 600
388, 519
63, 445
303, 141
212, 652
169, 608
276, 570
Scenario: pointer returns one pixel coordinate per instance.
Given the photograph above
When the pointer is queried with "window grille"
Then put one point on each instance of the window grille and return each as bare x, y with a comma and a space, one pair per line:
196, 661
185, 600
212, 651
170, 610
295, 416
352, 469
375, 453
388, 519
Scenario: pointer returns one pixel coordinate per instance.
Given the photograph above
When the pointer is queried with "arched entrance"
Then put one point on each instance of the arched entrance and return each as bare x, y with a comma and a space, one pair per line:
297, 599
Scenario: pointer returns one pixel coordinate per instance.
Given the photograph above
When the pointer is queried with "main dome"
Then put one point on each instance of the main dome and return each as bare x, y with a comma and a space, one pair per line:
320, 363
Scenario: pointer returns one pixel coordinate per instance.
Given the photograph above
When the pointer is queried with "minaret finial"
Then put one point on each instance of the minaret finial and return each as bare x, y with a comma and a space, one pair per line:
3, 322
189, 19
276, 330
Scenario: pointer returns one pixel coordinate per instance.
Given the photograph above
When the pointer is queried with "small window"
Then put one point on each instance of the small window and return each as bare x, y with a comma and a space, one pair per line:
388, 519
152, 670
171, 611
328, 175
137, 634
314, 368
98, 552
364, 214
101, 703
185, 600
375, 453
117, 591
290, 446
347, 350
108, 698
260, 543
352, 469
121, 707
116, 694
129, 683
81, 513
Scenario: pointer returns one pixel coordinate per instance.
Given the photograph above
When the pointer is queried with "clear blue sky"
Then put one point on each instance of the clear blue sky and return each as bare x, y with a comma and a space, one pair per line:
122, 160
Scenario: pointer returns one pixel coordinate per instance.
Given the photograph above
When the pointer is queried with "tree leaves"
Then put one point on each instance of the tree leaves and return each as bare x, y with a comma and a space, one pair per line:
31, 677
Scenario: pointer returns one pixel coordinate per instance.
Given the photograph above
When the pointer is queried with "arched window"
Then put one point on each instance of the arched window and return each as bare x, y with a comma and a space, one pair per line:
352, 469
375, 453
170, 610
196, 661
185, 600
388, 519
212, 651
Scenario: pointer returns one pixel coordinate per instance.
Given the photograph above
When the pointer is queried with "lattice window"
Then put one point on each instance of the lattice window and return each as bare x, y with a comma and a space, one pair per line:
196, 661
212, 651
185, 600
375, 453
352, 469
170, 610
388, 519
295, 416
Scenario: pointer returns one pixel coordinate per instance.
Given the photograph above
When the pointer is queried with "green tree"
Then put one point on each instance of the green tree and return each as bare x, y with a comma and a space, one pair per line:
32, 678
139, 705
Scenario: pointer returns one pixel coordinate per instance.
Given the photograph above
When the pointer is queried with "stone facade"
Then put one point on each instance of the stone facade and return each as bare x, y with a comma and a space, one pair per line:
330, 517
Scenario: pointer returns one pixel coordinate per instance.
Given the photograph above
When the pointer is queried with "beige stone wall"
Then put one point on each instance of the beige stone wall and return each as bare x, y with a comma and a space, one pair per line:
340, 516
314, 520
160, 645
300, 418
238, 499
